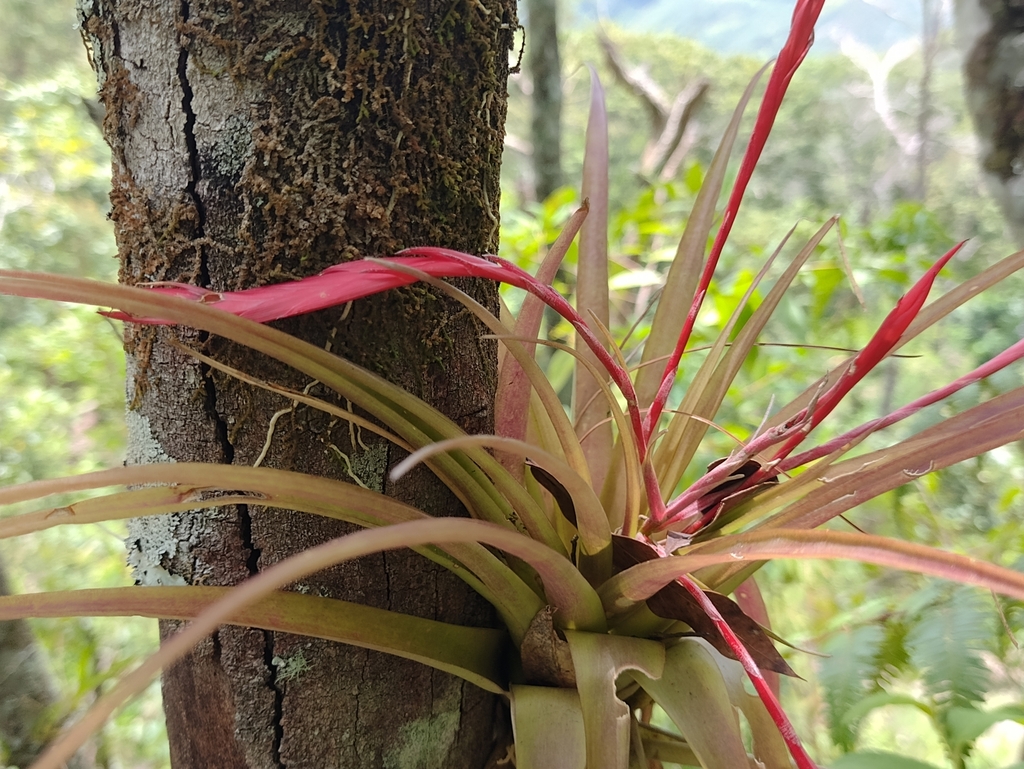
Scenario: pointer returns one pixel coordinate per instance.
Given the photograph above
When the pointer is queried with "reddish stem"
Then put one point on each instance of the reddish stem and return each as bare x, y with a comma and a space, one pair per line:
764, 691
881, 344
801, 36
1010, 355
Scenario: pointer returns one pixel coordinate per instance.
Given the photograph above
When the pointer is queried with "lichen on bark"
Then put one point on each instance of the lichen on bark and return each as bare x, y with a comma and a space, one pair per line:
260, 142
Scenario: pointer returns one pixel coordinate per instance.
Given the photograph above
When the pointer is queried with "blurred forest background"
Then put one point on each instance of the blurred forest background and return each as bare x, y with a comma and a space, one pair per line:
875, 127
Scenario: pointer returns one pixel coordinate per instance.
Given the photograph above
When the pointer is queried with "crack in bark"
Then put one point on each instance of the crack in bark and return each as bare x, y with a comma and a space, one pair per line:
268, 658
220, 425
190, 142
115, 36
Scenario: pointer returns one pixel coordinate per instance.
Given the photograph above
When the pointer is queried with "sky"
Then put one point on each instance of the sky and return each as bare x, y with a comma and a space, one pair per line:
759, 27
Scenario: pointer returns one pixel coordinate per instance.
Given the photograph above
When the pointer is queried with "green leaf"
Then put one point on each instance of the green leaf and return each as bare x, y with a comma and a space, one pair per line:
623, 514
599, 660
643, 580
523, 365
517, 373
682, 278
695, 696
965, 725
674, 601
666, 747
547, 724
944, 645
181, 486
704, 397
845, 675
576, 602
846, 484
929, 315
589, 515
769, 746
684, 274
468, 652
878, 760
971, 287
489, 491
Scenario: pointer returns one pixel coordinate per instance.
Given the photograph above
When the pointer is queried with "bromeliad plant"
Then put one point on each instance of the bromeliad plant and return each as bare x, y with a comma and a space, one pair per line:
615, 597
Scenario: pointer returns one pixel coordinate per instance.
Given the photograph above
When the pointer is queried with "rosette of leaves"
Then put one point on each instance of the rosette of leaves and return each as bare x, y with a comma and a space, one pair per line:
612, 588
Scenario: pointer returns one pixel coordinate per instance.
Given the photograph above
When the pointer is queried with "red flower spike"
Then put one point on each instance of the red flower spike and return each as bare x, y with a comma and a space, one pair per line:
881, 344
683, 511
1010, 355
354, 280
656, 504
336, 285
801, 36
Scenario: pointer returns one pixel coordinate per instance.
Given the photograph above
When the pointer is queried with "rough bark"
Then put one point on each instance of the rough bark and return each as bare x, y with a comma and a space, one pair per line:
256, 142
991, 35
544, 65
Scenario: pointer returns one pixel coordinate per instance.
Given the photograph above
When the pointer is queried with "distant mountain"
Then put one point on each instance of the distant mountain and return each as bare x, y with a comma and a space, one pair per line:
758, 27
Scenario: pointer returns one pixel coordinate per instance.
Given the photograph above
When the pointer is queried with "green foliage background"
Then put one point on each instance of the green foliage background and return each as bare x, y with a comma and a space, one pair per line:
61, 367
909, 658
915, 666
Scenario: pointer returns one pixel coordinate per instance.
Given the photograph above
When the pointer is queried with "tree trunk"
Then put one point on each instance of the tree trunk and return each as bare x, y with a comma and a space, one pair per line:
256, 143
545, 68
989, 33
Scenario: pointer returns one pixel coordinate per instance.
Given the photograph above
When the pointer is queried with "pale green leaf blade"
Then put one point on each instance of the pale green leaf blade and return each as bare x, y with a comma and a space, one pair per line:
470, 653
845, 485
599, 660
576, 603
547, 723
522, 353
512, 396
669, 748
694, 695
945, 304
683, 275
412, 419
769, 746
624, 513
927, 317
592, 521
705, 395
187, 486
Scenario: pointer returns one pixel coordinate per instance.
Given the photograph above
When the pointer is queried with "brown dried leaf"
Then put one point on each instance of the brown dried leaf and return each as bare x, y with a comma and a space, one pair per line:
552, 485
545, 653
